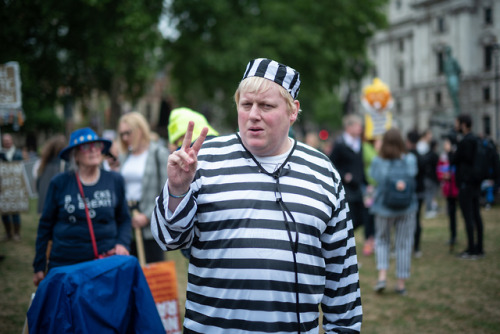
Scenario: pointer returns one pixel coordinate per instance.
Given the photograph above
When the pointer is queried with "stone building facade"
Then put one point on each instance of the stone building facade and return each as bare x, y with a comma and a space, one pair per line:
408, 56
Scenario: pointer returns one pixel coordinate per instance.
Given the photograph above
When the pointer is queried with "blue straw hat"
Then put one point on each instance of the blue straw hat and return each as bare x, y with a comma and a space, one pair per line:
83, 136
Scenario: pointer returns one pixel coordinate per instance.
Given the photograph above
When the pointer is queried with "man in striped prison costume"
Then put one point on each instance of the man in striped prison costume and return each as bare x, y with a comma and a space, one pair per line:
266, 218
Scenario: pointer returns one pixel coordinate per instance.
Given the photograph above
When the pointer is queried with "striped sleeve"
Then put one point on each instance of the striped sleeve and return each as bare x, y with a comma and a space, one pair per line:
341, 303
173, 230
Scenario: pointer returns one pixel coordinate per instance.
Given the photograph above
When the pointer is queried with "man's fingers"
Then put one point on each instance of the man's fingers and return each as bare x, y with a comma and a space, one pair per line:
188, 137
182, 159
199, 141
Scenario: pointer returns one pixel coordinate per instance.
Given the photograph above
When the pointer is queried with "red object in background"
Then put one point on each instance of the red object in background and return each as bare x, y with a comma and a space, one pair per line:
323, 135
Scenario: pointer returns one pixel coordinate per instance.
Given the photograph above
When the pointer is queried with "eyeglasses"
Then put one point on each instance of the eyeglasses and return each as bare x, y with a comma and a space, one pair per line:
89, 146
125, 133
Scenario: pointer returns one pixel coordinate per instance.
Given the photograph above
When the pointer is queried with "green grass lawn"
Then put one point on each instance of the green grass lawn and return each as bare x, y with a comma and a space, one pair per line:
445, 294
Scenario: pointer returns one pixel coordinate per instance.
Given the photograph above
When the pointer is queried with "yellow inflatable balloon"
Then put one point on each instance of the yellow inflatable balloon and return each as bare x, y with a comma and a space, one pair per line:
377, 101
377, 96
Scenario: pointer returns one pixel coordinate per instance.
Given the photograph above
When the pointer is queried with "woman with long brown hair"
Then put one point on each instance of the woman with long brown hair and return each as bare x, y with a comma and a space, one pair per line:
395, 205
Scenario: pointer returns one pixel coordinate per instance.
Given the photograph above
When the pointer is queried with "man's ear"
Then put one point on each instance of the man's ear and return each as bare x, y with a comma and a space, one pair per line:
295, 111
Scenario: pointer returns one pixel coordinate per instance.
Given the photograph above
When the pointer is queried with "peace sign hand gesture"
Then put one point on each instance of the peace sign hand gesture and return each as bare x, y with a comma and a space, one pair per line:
182, 163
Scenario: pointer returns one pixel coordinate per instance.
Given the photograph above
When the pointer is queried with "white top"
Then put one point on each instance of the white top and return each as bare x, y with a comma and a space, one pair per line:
272, 163
133, 171
352, 142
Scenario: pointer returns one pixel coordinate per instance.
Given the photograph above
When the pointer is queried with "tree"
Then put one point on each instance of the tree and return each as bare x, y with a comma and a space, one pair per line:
324, 40
81, 45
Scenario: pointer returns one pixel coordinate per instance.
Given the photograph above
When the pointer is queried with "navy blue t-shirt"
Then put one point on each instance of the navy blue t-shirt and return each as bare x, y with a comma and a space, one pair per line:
65, 223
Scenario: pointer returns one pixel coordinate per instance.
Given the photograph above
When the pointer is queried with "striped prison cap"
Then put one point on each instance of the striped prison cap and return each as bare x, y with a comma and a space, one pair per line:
283, 75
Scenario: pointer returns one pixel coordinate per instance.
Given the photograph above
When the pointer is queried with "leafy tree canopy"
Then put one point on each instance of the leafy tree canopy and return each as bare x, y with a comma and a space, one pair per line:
109, 45
324, 40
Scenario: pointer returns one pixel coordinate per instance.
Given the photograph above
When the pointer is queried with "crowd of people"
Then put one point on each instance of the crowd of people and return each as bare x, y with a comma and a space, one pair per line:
266, 221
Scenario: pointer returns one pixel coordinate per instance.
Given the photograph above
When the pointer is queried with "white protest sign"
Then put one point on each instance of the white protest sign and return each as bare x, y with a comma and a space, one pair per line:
10, 86
14, 195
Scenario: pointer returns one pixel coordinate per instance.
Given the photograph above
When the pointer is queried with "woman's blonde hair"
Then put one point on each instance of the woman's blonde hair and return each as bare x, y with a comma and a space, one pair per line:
258, 85
136, 121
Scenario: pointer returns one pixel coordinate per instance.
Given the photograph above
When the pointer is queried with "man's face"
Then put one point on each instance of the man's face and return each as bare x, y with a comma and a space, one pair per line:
355, 129
264, 121
7, 141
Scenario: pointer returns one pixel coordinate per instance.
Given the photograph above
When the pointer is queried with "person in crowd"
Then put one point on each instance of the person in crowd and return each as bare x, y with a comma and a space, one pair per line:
11, 221
50, 164
312, 139
142, 164
469, 189
424, 142
68, 218
370, 149
266, 218
392, 151
431, 182
111, 161
446, 176
347, 157
489, 186
412, 139
178, 123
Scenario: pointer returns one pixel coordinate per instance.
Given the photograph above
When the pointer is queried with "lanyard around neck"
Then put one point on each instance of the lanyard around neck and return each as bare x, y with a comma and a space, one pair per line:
89, 221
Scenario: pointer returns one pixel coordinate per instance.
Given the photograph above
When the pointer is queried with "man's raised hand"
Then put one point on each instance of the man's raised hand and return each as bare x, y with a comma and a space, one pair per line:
183, 162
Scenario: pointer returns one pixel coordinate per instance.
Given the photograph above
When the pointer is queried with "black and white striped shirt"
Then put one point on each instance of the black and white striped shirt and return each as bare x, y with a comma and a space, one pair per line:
241, 272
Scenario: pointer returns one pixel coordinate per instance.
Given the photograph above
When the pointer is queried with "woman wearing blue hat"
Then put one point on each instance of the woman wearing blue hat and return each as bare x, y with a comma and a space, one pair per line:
82, 230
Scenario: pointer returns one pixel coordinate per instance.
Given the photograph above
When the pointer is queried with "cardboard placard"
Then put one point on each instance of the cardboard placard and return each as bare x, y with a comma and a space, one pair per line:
10, 86
14, 195
162, 281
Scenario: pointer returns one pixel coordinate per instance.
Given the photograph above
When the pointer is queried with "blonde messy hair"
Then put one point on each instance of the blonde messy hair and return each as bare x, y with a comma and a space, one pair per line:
258, 85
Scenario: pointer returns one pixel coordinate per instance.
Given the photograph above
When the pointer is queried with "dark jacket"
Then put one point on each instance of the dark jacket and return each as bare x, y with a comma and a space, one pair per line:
463, 159
430, 161
18, 156
421, 171
346, 161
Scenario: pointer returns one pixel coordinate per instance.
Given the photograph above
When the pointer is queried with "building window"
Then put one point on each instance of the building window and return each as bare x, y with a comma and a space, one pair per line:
486, 94
399, 107
401, 45
401, 77
438, 99
441, 26
488, 16
488, 57
487, 125
440, 59
398, 4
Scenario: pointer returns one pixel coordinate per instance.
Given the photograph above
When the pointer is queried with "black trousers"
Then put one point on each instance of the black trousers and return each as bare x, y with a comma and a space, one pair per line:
359, 213
418, 226
451, 205
468, 199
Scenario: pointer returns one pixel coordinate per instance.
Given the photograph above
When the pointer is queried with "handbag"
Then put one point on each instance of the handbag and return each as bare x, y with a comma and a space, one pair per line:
89, 221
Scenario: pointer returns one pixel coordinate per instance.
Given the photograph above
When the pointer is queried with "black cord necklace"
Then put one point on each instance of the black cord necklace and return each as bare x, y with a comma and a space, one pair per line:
284, 208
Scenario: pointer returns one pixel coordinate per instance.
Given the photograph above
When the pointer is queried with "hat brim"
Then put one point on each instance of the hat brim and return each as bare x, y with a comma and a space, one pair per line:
64, 154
